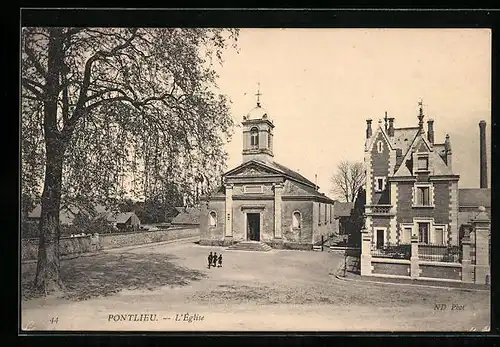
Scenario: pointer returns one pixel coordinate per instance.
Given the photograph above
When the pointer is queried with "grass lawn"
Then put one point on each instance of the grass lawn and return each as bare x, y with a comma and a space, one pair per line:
277, 290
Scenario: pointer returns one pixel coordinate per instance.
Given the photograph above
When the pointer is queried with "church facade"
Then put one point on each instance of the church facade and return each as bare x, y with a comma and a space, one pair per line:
262, 200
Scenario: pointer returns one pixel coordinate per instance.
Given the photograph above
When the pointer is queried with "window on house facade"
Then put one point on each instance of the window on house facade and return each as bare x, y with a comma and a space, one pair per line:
423, 233
296, 220
380, 146
331, 214
379, 184
254, 137
269, 140
423, 196
379, 238
212, 219
326, 220
406, 236
439, 235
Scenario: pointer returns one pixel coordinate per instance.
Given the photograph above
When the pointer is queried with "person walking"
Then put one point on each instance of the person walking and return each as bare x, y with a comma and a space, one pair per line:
220, 260
214, 259
210, 259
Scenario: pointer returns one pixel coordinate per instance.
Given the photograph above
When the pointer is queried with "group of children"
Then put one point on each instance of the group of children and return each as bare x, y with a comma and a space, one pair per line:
213, 260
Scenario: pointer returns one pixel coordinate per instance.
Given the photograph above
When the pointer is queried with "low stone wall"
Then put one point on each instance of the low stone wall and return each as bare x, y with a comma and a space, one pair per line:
132, 239
438, 270
391, 267
67, 246
86, 244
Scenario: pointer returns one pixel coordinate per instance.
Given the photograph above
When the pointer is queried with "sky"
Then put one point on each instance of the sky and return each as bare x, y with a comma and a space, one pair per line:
320, 85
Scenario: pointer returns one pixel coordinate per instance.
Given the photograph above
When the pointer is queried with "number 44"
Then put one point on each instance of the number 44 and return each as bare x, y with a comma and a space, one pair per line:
54, 320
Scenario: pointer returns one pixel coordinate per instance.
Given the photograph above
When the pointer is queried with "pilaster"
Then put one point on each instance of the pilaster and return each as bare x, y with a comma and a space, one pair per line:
229, 212
278, 191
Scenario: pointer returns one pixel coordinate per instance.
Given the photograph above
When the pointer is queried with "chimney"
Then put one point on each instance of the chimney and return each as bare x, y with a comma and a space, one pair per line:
316, 181
390, 130
430, 131
482, 155
368, 128
447, 148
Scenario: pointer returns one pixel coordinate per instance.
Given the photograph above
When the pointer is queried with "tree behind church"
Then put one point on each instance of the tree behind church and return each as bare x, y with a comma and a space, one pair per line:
348, 180
98, 103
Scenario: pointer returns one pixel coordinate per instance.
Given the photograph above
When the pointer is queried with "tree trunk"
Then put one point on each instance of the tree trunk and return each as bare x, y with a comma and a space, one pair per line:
47, 277
47, 272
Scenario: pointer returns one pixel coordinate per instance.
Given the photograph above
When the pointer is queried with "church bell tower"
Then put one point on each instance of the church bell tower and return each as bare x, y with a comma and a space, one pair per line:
257, 134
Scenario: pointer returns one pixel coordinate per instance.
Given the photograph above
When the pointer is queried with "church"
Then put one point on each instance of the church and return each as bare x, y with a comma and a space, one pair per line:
263, 201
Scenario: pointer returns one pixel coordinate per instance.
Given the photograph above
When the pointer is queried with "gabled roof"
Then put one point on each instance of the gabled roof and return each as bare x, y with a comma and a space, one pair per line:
66, 216
435, 160
122, 217
342, 209
474, 197
293, 189
187, 215
403, 138
371, 140
275, 168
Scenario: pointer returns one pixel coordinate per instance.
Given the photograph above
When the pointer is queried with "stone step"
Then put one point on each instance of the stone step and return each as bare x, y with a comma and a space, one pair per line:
250, 246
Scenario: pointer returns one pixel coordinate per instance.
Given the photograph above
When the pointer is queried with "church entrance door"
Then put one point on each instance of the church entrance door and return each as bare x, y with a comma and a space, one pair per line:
253, 226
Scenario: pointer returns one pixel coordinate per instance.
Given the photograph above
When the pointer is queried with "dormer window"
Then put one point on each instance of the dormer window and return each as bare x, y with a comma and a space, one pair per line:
380, 146
254, 137
423, 163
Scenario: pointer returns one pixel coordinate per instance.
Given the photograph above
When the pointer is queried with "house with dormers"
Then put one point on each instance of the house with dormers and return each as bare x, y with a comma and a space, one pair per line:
411, 188
262, 201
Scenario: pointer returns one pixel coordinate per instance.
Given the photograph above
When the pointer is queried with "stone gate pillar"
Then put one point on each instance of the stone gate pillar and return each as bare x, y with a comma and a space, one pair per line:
414, 265
481, 225
467, 268
366, 256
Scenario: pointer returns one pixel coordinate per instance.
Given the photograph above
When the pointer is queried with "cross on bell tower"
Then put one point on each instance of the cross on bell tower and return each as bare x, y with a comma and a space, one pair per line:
258, 94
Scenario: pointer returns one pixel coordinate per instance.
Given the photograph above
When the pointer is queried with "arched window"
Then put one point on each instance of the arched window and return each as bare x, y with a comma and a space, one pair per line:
254, 137
212, 219
296, 220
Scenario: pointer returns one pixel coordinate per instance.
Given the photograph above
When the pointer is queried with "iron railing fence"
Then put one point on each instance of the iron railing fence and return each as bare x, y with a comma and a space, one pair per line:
401, 251
440, 253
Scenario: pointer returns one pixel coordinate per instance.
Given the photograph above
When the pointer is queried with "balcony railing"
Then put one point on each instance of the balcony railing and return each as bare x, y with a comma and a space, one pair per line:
379, 210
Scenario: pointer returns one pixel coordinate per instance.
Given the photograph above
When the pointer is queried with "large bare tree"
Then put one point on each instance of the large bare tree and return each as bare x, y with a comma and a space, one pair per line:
101, 105
348, 180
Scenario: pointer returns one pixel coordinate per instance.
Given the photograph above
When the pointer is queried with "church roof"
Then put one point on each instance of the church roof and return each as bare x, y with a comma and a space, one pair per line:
474, 197
289, 172
282, 169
